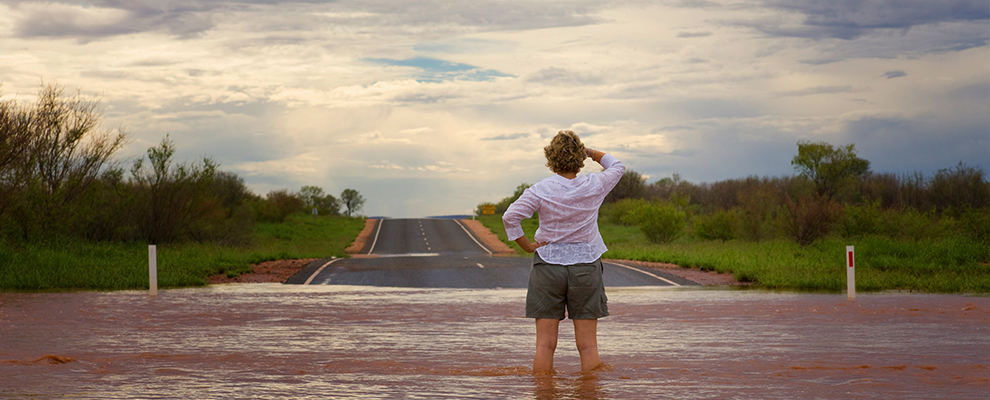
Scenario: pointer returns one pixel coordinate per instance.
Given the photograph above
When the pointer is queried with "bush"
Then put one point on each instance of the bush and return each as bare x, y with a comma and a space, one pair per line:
278, 205
616, 212
976, 224
864, 220
809, 218
661, 222
720, 225
756, 207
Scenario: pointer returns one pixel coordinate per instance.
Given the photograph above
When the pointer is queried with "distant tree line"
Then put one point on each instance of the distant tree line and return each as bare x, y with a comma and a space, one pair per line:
833, 192
59, 179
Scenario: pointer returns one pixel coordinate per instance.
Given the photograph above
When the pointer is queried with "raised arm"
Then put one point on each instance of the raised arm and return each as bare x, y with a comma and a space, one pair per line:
596, 155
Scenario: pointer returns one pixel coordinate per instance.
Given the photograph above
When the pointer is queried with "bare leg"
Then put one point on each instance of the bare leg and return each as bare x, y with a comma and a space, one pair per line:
586, 336
546, 344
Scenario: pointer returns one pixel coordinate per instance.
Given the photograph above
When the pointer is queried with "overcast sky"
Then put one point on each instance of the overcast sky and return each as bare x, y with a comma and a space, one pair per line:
432, 107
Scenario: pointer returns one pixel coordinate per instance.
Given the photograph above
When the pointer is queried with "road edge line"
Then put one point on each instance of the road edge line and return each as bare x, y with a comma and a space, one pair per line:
321, 270
377, 231
472, 237
647, 273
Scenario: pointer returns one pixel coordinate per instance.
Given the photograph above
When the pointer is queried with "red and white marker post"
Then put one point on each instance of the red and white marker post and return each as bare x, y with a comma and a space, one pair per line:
153, 269
850, 273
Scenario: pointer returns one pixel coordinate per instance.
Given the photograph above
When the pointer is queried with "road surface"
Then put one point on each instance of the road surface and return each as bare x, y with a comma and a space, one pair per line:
442, 253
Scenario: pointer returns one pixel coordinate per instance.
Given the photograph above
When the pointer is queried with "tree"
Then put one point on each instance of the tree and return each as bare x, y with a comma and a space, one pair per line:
631, 185
352, 200
66, 153
15, 139
170, 194
313, 197
828, 167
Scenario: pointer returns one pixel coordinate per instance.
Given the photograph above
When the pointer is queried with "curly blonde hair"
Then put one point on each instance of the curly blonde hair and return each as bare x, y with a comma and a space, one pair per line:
565, 153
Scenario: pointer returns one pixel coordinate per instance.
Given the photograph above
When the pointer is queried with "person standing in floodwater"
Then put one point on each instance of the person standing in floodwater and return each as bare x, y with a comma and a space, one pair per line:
567, 267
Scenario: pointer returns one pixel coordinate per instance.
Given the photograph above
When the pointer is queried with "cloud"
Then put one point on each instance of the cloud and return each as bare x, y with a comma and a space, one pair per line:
872, 29
683, 34
849, 20
103, 19
508, 136
894, 74
563, 76
817, 90
430, 107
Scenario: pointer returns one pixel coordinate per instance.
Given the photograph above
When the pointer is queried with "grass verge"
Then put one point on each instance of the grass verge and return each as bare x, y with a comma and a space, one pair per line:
115, 266
947, 265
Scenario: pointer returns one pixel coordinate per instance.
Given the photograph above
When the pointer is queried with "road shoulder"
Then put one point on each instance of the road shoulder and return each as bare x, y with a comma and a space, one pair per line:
488, 238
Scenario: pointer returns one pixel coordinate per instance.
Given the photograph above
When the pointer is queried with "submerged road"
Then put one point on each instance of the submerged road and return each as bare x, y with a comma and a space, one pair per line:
443, 253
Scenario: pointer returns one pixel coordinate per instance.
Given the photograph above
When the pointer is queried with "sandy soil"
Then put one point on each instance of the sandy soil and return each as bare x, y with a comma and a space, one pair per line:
280, 270
362, 238
489, 239
269, 271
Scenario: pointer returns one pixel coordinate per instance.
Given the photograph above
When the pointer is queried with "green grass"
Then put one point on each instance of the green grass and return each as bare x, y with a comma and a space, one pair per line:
952, 264
115, 266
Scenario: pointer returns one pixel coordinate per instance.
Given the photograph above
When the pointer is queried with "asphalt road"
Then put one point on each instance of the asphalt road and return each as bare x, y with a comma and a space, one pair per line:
442, 253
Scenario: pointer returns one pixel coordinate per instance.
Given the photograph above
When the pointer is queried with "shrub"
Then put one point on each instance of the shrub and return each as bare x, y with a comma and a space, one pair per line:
661, 222
720, 225
278, 205
960, 187
976, 224
756, 207
809, 218
867, 219
616, 212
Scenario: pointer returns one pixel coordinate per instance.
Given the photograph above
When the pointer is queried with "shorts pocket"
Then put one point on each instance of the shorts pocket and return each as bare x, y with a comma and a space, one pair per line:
585, 276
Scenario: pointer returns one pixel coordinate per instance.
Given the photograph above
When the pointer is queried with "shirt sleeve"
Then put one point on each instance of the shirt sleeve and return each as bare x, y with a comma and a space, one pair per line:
612, 173
522, 208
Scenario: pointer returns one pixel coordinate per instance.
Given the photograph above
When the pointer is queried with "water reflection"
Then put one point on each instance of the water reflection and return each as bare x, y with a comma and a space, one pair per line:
556, 386
275, 341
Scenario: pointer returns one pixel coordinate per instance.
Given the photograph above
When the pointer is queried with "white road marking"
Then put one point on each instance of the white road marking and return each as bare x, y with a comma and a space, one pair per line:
480, 266
409, 255
321, 270
647, 273
472, 236
380, 222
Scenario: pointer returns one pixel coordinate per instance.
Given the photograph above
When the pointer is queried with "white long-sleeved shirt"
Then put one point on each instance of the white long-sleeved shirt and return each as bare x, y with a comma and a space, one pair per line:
568, 211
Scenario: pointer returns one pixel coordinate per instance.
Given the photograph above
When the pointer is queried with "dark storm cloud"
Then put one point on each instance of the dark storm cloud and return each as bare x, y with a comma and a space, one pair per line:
906, 145
875, 29
187, 18
894, 74
850, 19
80, 19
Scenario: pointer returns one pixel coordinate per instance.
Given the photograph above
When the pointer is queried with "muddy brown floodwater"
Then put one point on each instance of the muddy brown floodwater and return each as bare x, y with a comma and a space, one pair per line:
277, 341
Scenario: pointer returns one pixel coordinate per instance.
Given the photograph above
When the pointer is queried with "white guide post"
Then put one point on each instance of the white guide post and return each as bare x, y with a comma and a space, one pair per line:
153, 269
850, 273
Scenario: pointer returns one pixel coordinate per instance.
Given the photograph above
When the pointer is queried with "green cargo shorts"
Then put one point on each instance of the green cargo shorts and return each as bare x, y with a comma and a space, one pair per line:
579, 288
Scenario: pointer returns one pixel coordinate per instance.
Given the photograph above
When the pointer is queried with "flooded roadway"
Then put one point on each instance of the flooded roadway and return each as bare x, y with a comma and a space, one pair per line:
295, 341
